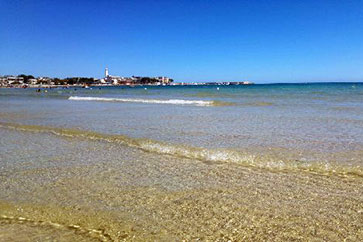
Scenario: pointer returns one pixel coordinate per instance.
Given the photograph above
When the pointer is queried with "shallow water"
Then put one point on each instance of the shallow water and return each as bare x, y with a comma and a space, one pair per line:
279, 162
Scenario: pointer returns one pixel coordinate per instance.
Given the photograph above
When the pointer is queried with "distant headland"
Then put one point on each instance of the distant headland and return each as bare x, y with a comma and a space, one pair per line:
24, 81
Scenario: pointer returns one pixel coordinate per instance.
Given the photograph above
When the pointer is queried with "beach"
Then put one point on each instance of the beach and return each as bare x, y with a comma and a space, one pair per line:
276, 162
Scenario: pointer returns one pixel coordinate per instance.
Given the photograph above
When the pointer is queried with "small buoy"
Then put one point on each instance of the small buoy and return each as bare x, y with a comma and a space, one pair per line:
145, 88
46, 91
217, 88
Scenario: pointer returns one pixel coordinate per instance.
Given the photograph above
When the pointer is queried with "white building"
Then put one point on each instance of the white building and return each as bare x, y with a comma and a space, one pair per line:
164, 79
111, 79
33, 81
15, 80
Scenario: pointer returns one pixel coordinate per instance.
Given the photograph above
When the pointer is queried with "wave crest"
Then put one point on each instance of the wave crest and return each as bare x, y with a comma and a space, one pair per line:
150, 101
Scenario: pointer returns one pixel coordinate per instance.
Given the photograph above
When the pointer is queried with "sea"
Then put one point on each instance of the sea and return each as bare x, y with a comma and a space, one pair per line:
207, 162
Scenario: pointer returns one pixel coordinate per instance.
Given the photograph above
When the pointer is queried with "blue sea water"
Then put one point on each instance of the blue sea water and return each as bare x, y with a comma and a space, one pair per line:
312, 122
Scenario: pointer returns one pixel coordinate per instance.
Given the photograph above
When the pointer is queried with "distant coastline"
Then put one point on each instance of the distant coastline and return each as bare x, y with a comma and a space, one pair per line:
24, 86
25, 81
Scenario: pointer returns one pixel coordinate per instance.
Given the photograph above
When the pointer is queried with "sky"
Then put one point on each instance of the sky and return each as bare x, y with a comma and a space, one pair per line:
258, 40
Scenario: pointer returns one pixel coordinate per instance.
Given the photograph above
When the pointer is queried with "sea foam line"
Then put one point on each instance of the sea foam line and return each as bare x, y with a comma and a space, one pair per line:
198, 153
153, 101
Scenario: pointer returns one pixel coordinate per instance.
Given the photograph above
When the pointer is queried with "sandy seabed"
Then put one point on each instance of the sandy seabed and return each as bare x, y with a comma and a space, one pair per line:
73, 189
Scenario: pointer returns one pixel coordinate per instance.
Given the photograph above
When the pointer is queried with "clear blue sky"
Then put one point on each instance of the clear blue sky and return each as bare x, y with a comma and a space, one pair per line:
261, 41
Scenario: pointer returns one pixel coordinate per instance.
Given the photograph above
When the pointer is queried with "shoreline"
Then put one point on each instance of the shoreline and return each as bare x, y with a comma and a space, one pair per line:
176, 84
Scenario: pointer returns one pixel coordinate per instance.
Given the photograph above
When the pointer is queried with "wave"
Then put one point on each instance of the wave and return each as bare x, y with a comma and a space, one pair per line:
152, 101
197, 153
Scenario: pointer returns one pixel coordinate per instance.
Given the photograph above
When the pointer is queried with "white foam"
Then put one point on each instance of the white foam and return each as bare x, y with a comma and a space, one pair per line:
153, 101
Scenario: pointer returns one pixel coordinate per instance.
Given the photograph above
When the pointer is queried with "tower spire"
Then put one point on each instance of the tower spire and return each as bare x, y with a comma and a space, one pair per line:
106, 72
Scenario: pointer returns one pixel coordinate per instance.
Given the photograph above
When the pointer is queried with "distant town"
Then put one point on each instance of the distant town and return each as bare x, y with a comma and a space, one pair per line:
24, 81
